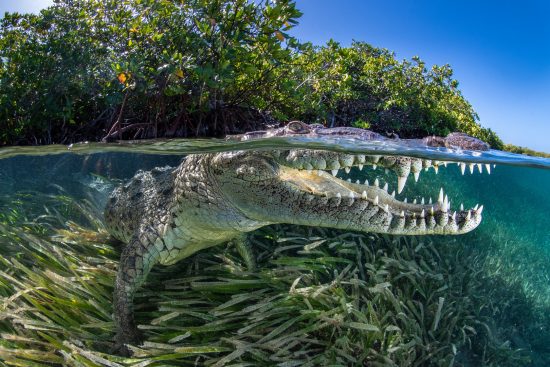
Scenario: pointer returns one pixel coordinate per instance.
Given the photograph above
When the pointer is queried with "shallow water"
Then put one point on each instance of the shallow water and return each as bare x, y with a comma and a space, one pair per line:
41, 189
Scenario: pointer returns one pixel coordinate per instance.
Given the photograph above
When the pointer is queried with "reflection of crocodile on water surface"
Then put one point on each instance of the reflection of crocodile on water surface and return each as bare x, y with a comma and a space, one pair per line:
167, 214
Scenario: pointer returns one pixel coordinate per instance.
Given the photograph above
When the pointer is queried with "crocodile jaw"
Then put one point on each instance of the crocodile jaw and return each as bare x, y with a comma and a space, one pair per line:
300, 186
324, 200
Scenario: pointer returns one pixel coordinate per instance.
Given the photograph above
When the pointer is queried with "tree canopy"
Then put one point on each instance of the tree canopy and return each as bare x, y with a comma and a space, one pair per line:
92, 69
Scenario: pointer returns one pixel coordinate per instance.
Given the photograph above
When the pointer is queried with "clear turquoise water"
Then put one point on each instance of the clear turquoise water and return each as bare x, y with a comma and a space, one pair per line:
511, 246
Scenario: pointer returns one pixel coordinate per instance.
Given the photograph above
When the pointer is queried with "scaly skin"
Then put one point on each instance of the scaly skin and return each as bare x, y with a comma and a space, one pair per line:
165, 215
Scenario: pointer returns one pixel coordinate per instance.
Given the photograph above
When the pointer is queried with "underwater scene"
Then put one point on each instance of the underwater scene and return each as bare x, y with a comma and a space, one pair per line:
453, 268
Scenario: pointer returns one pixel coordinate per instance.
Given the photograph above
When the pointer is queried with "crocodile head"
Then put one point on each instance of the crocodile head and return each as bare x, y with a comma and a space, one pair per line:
300, 186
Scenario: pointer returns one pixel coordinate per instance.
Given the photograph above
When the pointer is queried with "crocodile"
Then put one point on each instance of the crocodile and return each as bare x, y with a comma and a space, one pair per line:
167, 214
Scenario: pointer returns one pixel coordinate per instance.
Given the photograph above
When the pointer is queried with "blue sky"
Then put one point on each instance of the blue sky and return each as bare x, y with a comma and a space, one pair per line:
500, 50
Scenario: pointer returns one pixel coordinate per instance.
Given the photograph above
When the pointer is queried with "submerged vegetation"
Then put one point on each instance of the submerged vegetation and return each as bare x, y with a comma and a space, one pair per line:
320, 297
93, 69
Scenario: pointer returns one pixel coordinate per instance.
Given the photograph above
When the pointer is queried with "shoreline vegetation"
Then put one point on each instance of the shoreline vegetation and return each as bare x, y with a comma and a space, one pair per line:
101, 70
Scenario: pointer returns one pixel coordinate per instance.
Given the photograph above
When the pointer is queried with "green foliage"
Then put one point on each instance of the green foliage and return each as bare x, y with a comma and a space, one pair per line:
50, 75
362, 124
522, 150
171, 61
340, 85
90, 69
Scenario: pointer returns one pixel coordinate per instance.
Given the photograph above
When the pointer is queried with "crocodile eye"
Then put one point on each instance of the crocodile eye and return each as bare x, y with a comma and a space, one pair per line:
298, 127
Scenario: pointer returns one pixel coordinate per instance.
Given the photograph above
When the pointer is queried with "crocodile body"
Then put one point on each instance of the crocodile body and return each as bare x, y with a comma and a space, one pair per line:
167, 214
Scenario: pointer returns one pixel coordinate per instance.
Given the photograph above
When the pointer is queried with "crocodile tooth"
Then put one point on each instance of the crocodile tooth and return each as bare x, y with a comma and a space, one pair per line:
376, 200
358, 182
488, 168
401, 181
374, 166
393, 193
364, 195
454, 216
386, 187
479, 210
445, 205
414, 201
461, 207
436, 169
387, 208
416, 165
346, 160
445, 163
402, 214
480, 168
386, 171
422, 201
494, 165
405, 200
376, 182
334, 172
468, 216
338, 199
334, 165
471, 166
462, 167
376, 158
441, 196
347, 169
360, 166
416, 176
349, 180
475, 207
426, 163
432, 210
366, 182
422, 214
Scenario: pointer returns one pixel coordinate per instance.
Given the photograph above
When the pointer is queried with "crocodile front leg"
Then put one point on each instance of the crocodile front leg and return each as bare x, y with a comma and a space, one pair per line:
136, 261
